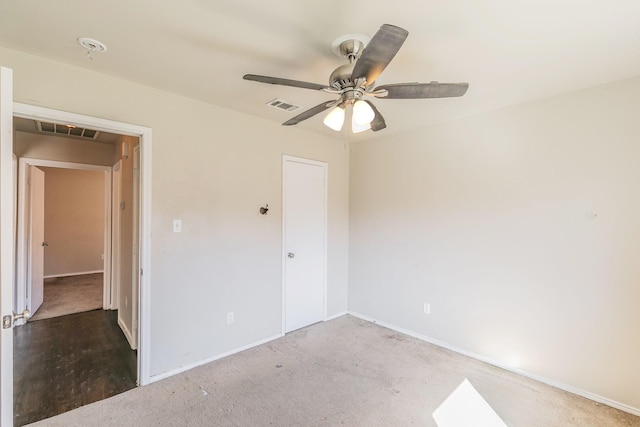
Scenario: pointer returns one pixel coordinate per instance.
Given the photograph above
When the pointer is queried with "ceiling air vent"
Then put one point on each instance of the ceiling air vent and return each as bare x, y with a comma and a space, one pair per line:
67, 130
281, 104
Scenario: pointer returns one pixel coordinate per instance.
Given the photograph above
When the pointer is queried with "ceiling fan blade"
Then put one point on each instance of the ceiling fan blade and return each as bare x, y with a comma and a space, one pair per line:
420, 90
284, 82
378, 122
379, 52
310, 113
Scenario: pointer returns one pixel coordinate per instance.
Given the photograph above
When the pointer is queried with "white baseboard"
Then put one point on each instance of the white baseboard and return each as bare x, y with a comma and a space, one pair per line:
80, 273
185, 368
126, 332
335, 316
565, 387
181, 369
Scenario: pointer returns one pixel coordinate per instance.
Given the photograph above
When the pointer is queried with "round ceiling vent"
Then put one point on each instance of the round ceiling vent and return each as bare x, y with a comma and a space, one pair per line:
92, 44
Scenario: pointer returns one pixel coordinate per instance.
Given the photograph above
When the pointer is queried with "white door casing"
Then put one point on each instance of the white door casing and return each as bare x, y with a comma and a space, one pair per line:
36, 239
6, 244
116, 211
135, 265
145, 135
23, 283
304, 236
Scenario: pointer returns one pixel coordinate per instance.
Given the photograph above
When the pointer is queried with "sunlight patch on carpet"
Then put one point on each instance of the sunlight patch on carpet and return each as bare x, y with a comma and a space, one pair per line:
465, 407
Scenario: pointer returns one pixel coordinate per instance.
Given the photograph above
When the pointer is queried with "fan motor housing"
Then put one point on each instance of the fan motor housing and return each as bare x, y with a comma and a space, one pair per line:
341, 77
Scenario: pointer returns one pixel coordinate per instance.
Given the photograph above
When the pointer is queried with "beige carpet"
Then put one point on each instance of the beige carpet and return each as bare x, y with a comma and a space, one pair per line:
345, 372
70, 294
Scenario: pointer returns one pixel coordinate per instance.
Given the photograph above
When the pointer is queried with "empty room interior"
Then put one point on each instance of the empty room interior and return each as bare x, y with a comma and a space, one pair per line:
491, 232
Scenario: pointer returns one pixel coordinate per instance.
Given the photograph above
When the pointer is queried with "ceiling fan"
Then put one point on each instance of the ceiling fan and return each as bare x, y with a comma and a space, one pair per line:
356, 79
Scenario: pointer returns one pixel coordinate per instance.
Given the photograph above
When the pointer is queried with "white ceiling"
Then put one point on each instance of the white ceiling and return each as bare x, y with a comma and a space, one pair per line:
509, 51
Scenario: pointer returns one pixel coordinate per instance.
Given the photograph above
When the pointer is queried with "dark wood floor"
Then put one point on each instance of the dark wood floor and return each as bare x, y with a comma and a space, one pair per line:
69, 361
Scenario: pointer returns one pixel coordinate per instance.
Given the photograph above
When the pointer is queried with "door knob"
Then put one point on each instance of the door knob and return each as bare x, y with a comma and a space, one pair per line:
291, 255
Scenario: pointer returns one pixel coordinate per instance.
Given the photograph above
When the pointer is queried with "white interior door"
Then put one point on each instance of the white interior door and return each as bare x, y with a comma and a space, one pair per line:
36, 239
6, 246
304, 228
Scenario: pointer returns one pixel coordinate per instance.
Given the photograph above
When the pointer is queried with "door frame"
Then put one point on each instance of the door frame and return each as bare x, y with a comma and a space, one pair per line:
145, 134
325, 167
7, 242
24, 227
115, 234
135, 265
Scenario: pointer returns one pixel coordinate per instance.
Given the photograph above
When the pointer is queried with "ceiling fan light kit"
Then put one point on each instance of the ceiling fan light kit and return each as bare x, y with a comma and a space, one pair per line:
335, 118
357, 128
367, 60
362, 113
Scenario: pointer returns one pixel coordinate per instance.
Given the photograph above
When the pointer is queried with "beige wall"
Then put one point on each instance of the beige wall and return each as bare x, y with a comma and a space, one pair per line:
58, 148
489, 219
212, 168
520, 227
74, 221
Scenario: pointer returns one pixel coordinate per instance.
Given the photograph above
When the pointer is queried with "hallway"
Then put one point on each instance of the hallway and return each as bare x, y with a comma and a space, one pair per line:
69, 361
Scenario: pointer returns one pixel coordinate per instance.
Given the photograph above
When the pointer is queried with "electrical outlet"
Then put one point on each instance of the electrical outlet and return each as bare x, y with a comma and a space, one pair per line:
230, 318
427, 308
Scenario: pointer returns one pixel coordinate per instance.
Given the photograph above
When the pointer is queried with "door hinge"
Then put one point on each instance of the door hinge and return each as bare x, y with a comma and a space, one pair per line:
141, 272
122, 205
6, 321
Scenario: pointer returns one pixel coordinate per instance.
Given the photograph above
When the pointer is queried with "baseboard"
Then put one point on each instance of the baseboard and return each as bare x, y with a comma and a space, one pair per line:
185, 368
553, 383
80, 273
126, 332
335, 316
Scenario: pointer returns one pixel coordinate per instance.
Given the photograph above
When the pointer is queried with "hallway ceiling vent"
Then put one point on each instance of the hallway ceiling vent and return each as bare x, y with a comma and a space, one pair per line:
67, 130
281, 104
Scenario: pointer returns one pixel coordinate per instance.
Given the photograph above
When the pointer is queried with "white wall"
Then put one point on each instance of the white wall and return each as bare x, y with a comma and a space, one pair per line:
520, 227
212, 168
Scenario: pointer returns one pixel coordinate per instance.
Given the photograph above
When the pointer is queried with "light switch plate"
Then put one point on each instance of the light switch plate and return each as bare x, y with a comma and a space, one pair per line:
177, 226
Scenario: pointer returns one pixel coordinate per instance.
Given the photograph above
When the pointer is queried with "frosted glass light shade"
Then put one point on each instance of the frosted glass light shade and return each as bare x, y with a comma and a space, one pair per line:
335, 119
356, 128
362, 112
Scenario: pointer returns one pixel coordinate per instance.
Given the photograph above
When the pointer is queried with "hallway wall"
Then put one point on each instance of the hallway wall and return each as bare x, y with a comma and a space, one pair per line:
74, 221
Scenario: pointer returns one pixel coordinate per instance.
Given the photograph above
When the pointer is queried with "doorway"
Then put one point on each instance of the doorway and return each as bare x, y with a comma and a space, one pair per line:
8, 177
74, 355
77, 243
8, 195
143, 227
304, 216
74, 222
